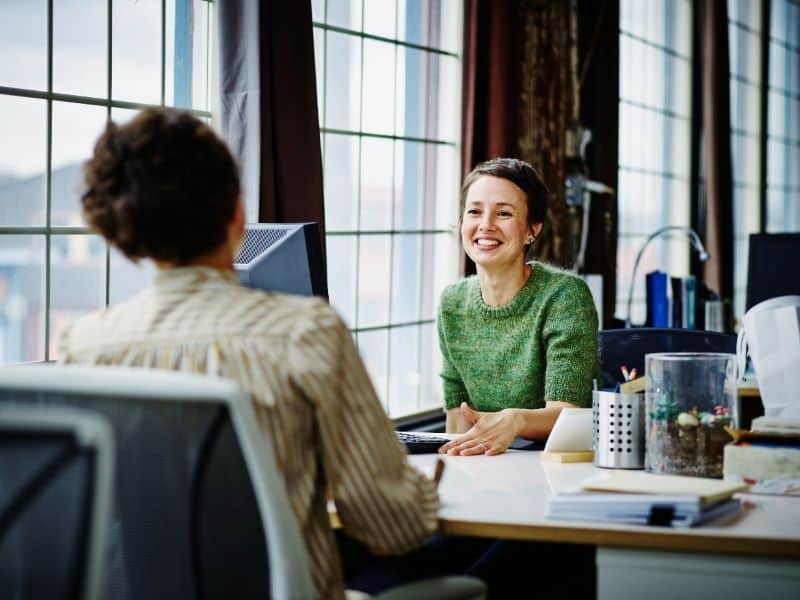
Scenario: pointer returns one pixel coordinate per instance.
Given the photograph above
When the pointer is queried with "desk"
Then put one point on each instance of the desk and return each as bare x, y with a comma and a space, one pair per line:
506, 497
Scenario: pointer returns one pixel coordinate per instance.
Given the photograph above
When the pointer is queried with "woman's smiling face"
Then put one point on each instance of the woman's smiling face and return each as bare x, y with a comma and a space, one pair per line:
494, 227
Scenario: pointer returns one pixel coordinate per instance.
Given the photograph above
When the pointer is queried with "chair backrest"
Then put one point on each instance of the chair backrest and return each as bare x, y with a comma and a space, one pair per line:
628, 347
198, 496
56, 481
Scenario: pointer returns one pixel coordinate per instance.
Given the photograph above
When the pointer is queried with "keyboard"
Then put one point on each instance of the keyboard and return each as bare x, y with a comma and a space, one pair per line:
421, 444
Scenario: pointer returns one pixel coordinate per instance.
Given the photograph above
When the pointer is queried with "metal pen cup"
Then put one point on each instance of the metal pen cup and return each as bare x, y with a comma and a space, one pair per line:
618, 439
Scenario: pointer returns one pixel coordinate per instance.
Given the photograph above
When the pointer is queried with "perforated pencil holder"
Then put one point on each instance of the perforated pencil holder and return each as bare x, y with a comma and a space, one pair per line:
618, 438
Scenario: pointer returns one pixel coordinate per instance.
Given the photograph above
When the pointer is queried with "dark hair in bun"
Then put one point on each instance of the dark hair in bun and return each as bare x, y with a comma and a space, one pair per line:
521, 174
162, 186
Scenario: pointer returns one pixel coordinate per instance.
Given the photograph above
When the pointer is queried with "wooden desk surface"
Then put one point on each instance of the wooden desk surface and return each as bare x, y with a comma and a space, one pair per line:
506, 497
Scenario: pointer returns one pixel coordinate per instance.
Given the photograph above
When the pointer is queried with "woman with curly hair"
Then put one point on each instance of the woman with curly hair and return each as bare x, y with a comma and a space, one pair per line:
164, 187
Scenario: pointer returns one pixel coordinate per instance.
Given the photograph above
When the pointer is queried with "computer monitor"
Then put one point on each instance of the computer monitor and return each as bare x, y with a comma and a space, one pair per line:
283, 257
773, 265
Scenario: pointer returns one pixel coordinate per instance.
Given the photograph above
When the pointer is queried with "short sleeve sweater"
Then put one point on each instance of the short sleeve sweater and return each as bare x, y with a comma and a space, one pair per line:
541, 346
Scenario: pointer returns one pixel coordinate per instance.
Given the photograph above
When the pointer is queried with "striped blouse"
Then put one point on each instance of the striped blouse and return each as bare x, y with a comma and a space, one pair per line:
310, 391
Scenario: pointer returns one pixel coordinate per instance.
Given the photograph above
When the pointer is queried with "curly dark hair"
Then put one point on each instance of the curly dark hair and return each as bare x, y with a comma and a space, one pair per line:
521, 174
162, 186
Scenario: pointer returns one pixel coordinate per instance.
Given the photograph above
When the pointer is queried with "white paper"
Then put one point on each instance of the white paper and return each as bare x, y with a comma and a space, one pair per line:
572, 431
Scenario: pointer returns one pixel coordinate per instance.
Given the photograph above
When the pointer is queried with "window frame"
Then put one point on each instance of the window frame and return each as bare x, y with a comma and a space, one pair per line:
49, 96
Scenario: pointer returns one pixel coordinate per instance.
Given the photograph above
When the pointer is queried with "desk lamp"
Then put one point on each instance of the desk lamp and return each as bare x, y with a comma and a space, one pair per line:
687, 231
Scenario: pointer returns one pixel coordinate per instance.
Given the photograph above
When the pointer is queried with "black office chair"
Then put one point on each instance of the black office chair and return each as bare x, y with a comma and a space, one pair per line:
617, 347
56, 482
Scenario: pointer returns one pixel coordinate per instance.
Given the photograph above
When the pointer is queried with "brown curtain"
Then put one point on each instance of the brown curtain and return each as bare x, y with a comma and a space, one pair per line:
490, 81
717, 167
598, 35
269, 106
518, 94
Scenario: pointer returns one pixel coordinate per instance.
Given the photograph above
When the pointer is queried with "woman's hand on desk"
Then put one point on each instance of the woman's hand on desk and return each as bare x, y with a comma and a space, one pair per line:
491, 432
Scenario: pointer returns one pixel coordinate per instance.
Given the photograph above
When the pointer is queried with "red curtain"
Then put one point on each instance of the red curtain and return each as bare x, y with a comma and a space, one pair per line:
717, 162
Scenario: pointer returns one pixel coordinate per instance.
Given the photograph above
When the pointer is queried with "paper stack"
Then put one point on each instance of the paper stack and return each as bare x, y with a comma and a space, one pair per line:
643, 499
768, 457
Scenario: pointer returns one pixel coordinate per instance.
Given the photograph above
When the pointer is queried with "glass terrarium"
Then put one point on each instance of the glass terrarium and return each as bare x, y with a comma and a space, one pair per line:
690, 400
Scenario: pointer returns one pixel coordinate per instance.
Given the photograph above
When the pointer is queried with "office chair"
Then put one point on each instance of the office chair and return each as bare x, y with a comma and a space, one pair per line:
201, 509
617, 347
56, 481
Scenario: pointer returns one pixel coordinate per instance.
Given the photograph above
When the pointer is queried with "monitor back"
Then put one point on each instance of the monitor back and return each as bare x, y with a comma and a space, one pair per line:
186, 521
773, 266
283, 257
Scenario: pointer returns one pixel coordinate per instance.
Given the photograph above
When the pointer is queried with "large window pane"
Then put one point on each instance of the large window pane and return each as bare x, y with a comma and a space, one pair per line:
340, 252
380, 18
23, 155
75, 130
406, 282
344, 13
188, 53
21, 298
376, 183
404, 374
391, 164
136, 51
23, 35
341, 182
374, 277
411, 159
319, 68
342, 81
373, 347
77, 281
413, 68
80, 42
378, 89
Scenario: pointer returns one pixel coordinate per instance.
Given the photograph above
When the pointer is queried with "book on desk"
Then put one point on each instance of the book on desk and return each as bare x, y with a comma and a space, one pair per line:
636, 498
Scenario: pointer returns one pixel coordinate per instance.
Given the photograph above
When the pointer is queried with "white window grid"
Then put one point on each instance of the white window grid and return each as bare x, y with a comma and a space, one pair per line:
115, 108
654, 141
370, 233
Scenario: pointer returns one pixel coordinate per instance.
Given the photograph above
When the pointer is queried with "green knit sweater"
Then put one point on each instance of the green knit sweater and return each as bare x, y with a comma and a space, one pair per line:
539, 347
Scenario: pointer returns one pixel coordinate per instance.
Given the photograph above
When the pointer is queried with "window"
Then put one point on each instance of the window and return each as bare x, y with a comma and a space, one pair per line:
744, 42
654, 141
389, 93
68, 66
783, 109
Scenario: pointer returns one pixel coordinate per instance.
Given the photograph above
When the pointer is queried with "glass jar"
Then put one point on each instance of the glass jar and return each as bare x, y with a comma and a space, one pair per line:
690, 399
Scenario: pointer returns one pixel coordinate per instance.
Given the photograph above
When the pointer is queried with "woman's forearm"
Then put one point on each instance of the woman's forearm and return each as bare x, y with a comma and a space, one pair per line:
537, 423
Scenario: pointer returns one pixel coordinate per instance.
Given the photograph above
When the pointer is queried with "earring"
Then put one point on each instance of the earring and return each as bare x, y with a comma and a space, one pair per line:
531, 239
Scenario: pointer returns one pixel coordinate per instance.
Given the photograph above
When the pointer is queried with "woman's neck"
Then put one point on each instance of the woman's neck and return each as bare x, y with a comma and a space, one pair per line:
500, 287
220, 258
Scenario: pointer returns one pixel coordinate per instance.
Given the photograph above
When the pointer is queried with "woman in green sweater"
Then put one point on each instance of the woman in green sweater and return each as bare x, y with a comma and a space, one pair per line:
519, 340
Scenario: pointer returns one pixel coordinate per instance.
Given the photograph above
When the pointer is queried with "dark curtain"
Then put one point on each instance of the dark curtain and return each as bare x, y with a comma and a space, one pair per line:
546, 104
490, 81
518, 94
598, 80
269, 107
490, 85
717, 163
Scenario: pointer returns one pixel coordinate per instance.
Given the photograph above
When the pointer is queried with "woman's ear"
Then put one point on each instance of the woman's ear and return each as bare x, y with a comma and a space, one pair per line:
534, 230
236, 227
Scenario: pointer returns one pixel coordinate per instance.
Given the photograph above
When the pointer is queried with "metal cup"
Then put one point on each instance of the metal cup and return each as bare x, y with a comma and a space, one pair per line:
618, 438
